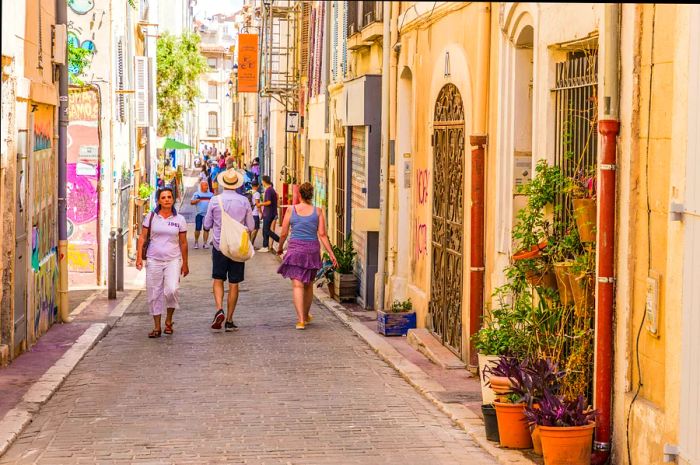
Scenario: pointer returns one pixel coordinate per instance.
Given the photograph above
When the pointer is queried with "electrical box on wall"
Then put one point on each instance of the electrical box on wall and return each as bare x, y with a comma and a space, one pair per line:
522, 169
652, 303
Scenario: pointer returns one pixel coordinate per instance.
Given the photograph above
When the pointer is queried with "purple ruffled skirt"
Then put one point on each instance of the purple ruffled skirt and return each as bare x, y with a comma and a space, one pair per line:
302, 261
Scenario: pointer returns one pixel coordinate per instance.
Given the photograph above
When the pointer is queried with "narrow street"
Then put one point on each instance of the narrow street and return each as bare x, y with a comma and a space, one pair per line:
264, 394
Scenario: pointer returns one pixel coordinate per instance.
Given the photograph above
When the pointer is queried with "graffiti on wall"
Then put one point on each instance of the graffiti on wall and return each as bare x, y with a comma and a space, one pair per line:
43, 307
318, 179
81, 7
420, 227
83, 168
83, 28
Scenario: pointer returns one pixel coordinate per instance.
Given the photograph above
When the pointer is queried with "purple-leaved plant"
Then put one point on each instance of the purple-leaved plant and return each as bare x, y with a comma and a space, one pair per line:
555, 411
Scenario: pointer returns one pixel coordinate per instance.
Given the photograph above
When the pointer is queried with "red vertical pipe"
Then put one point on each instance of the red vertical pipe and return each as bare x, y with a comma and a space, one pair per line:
609, 130
476, 272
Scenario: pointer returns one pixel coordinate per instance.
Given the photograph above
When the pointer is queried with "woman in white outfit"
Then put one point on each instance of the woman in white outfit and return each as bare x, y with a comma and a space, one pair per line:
166, 258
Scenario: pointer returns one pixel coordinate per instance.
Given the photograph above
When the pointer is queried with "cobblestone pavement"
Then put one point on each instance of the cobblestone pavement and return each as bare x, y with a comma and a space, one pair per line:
265, 394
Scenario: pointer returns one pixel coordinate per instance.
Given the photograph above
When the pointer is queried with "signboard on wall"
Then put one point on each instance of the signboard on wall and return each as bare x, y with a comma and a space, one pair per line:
292, 121
247, 63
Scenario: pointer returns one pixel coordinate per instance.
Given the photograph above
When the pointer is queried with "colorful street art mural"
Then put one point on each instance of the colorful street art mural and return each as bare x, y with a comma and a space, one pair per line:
85, 24
43, 306
83, 170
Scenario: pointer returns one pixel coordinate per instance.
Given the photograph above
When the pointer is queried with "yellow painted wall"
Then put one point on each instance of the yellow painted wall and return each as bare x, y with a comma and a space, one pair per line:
655, 156
450, 28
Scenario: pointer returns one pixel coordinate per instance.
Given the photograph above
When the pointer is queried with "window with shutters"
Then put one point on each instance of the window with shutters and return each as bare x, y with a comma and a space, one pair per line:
213, 130
121, 99
212, 91
334, 48
352, 24
305, 37
141, 90
211, 61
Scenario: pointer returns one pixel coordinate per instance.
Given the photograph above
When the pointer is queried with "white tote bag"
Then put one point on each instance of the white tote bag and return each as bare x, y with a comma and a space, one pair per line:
235, 240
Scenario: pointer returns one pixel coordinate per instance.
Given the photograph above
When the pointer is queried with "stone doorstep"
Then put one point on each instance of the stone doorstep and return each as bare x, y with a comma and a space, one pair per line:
461, 415
16, 419
425, 343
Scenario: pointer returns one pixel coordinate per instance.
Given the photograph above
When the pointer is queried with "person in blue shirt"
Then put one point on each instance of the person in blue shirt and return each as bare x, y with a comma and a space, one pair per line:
201, 199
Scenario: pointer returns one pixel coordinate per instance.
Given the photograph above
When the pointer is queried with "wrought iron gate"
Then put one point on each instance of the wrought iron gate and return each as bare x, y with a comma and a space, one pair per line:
445, 308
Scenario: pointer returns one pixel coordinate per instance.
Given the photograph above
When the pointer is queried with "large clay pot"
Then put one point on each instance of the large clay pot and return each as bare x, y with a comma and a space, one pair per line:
562, 271
487, 394
567, 445
585, 215
512, 426
536, 440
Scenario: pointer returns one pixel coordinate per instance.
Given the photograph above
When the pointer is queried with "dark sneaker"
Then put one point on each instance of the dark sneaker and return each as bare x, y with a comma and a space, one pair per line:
219, 318
230, 326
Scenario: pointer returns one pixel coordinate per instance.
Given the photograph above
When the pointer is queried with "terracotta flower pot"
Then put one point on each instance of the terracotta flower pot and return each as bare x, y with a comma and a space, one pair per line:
536, 440
546, 279
512, 426
533, 252
562, 271
567, 445
582, 291
585, 215
500, 385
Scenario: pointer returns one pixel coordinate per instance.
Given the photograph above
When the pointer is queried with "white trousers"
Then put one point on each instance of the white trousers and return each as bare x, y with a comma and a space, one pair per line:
163, 284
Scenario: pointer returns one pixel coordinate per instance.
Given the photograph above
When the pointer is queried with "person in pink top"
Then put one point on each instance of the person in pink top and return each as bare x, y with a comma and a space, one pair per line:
166, 259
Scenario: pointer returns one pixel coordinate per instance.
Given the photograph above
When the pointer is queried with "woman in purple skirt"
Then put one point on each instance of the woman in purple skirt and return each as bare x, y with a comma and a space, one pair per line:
303, 258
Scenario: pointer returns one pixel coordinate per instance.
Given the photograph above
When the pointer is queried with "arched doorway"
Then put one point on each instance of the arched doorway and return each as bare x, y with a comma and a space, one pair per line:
445, 308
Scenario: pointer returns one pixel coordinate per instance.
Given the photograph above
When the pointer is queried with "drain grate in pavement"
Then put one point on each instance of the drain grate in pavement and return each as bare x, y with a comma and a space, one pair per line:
458, 397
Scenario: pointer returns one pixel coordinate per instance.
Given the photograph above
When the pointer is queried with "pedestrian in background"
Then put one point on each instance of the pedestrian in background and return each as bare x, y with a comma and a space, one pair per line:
303, 258
201, 199
255, 199
238, 208
269, 205
165, 232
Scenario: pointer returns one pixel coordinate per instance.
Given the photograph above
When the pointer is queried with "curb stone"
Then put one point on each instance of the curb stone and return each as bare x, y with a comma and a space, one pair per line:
463, 417
15, 420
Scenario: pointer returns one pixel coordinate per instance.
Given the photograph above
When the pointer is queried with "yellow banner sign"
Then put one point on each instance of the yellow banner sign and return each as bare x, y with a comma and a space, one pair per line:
247, 63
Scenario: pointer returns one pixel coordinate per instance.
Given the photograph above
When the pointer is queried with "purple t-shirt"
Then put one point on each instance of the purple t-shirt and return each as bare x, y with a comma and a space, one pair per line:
270, 211
165, 236
238, 208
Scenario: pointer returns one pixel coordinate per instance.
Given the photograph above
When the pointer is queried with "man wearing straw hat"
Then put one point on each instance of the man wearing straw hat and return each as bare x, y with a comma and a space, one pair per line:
238, 208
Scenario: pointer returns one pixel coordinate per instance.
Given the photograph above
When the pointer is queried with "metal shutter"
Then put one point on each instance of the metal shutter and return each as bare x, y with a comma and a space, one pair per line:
359, 200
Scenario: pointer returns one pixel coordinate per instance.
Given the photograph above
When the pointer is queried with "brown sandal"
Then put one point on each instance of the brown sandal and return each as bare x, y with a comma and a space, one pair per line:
154, 333
168, 328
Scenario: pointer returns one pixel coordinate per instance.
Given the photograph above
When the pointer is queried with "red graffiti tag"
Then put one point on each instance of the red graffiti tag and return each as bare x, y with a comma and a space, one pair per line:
420, 243
422, 186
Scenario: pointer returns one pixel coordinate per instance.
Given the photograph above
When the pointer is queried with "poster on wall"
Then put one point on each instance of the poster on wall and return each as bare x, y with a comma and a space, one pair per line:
247, 63
318, 179
83, 167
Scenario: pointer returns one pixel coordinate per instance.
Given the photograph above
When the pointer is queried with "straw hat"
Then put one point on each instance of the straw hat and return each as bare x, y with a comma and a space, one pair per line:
230, 179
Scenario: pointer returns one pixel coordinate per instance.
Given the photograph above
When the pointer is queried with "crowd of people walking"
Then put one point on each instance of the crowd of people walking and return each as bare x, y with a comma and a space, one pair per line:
228, 201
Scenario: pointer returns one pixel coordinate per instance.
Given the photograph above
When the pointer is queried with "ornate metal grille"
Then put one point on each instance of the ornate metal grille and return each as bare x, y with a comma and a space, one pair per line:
445, 308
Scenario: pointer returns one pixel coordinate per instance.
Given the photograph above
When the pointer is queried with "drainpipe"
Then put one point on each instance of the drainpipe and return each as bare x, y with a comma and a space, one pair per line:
62, 19
478, 142
608, 126
384, 171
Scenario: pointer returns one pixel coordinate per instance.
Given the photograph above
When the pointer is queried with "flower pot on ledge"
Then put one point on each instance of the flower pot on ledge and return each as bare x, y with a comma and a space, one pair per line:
345, 287
395, 323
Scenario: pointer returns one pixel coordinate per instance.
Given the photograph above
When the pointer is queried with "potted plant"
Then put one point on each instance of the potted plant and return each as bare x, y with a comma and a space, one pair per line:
144, 194
326, 275
397, 320
507, 379
582, 188
566, 429
344, 279
541, 376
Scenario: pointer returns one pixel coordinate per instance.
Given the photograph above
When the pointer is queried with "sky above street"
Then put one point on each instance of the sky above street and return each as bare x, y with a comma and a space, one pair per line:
211, 7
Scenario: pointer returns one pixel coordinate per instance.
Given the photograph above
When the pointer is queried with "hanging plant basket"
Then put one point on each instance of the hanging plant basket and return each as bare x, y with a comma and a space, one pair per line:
562, 272
582, 291
542, 279
585, 215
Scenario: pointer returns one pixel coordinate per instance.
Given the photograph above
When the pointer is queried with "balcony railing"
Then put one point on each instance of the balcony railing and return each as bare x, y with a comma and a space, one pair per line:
212, 132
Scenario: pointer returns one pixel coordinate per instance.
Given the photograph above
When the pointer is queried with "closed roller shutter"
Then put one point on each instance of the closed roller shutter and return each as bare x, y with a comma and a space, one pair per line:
359, 200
